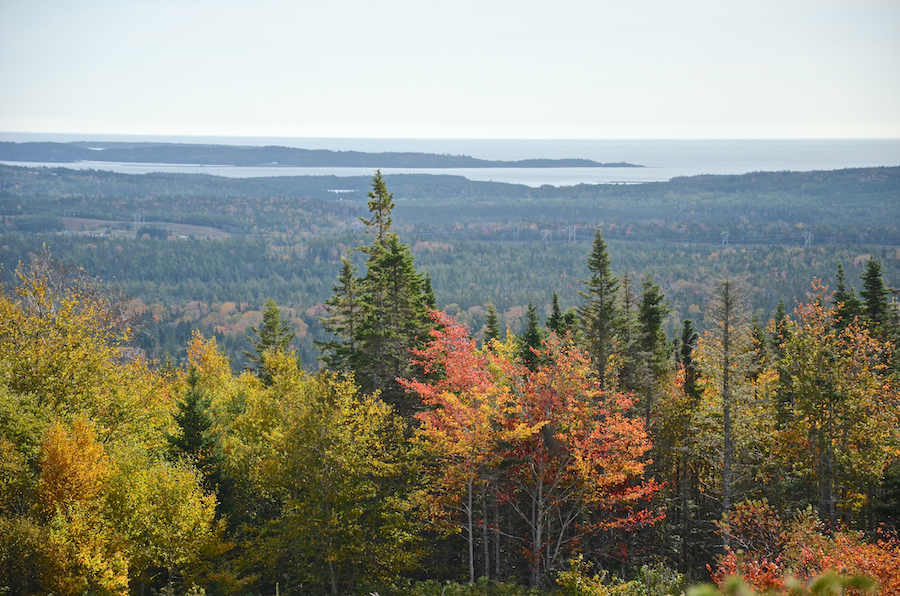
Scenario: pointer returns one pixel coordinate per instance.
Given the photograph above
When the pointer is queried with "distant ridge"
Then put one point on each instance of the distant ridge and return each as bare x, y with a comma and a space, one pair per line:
177, 153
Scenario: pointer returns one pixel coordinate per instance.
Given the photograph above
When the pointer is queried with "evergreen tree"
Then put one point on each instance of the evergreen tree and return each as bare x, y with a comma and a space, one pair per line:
531, 339
491, 324
731, 351
685, 357
780, 330
395, 319
634, 369
194, 438
878, 315
274, 334
598, 315
344, 316
846, 304
378, 319
428, 299
555, 320
381, 202
874, 294
652, 310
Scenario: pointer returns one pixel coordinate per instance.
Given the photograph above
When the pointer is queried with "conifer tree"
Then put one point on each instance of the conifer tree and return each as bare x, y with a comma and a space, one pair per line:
491, 324
685, 357
652, 310
194, 439
874, 295
846, 304
345, 314
273, 334
377, 320
634, 369
531, 339
730, 347
556, 317
598, 315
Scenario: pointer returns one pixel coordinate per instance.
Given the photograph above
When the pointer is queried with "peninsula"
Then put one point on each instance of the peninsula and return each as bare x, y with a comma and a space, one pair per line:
230, 155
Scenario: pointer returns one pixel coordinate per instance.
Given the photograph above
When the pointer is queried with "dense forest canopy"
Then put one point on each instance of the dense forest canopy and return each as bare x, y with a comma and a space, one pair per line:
481, 242
313, 394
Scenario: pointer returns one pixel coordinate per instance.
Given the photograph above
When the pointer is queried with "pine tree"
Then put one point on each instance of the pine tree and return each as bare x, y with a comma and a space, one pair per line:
194, 439
652, 310
344, 316
634, 360
491, 324
556, 317
377, 320
598, 315
730, 348
531, 339
874, 295
274, 334
846, 304
381, 202
395, 320
685, 357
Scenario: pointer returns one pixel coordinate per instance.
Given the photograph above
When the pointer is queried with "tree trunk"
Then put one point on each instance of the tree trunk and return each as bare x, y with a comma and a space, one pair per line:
470, 529
485, 543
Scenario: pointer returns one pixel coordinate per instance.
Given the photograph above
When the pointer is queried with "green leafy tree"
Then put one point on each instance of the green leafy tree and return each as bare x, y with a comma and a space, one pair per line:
336, 465
842, 422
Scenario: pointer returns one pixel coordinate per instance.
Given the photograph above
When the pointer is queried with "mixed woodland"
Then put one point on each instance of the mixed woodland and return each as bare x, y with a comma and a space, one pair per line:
474, 388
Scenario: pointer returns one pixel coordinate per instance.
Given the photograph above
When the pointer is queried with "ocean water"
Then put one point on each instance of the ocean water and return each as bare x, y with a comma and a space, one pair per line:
661, 159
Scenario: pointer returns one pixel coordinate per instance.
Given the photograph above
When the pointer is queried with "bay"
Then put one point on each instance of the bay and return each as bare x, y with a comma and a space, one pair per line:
662, 160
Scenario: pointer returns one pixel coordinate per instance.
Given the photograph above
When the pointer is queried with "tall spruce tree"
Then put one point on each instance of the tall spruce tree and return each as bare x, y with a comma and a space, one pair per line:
633, 361
874, 295
274, 333
344, 316
846, 304
652, 311
556, 317
379, 318
731, 348
195, 439
686, 358
598, 316
491, 324
531, 338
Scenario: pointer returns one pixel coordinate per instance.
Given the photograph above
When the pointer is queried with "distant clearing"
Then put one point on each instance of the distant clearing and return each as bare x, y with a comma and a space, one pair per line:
125, 229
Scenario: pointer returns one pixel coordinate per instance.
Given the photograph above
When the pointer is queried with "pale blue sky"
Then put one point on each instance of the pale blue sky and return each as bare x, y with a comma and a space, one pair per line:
463, 69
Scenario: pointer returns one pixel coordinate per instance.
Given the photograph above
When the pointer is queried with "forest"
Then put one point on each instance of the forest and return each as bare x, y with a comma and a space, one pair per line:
481, 242
288, 394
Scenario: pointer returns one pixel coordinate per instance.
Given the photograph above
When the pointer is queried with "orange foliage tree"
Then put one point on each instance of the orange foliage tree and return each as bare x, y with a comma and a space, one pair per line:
573, 459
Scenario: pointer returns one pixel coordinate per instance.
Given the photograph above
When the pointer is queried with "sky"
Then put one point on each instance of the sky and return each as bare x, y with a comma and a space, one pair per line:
473, 69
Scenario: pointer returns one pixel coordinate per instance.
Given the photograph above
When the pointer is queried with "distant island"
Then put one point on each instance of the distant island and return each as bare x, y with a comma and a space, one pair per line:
272, 156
